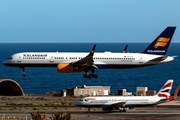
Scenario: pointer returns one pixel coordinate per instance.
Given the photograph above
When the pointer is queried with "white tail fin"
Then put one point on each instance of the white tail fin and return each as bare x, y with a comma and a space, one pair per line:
165, 90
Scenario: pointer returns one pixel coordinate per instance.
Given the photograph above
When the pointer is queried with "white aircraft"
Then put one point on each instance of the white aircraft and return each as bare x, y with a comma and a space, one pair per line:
67, 62
122, 102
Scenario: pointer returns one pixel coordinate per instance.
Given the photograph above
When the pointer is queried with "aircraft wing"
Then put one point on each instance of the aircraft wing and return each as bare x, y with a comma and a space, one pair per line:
117, 104
86, 61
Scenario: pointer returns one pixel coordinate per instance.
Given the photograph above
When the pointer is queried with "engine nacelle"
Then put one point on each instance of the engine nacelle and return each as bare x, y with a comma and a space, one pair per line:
128, 106
107, 107
66, 68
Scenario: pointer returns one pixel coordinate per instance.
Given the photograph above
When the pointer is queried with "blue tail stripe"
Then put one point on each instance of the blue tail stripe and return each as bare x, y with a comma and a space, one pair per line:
165, 90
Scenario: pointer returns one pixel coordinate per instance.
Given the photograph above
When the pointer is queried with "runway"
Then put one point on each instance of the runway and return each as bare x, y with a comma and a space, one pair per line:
166, 111
134, 114
160, 114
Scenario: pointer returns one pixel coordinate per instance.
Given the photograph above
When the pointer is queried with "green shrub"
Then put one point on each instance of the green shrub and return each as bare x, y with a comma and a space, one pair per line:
36, 115
61, 116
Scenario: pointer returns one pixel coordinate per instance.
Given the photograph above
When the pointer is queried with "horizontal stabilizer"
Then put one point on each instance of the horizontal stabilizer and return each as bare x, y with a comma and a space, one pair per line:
159, 59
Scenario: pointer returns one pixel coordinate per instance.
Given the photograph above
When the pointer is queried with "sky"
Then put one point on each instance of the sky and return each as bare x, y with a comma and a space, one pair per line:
87, 21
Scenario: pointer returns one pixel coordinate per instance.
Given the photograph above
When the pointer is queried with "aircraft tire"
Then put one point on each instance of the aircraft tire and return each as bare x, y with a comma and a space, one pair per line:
124, 110
24, 75
90, 76
120, 110
85, 76
95, 76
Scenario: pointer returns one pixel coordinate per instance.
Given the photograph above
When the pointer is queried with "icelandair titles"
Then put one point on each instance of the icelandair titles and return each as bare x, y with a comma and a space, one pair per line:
34, 56
156, 51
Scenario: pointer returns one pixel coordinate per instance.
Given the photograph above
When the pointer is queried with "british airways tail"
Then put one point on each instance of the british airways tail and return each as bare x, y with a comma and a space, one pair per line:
166, 89
160, 45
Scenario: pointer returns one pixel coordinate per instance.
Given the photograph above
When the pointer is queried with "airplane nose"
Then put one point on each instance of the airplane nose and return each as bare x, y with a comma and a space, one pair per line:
5, 63
77, 103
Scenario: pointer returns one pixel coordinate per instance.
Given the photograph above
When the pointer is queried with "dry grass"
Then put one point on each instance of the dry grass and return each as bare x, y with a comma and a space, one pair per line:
41, 103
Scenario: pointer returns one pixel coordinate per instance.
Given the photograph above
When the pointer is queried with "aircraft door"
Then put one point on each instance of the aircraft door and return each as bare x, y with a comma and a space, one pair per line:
19, 59
141, 60
153, 100
52, 59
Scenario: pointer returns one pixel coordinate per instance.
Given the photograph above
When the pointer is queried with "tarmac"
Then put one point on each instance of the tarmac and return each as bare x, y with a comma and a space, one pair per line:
165, 111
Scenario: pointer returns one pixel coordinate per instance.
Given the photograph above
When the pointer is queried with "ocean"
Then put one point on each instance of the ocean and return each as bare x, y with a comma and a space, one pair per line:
43, 80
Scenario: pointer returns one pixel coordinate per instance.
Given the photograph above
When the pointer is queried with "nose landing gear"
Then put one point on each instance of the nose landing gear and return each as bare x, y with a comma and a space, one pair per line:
23, 72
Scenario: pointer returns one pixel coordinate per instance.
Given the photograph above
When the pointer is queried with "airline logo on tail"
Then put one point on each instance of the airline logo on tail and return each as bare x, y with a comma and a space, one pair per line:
165, 90
161, 42
160, 45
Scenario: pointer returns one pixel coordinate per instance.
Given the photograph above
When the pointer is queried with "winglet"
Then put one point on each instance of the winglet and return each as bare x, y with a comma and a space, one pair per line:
93, 50
124, 51
160, 45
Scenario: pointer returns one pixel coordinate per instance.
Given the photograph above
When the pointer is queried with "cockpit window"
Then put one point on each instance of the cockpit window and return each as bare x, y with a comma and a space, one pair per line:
81, 100
10, 58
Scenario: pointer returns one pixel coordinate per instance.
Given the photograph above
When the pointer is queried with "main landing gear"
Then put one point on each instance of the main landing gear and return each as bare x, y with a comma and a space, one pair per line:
89, 76
89, 109
123, 109
23, 72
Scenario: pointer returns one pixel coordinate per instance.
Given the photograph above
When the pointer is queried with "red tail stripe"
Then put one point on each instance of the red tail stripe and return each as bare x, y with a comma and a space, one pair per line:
163, 95
167, 85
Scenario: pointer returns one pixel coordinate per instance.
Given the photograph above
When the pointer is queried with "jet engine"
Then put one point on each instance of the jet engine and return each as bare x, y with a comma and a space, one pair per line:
107, 108
121, 109
66, 68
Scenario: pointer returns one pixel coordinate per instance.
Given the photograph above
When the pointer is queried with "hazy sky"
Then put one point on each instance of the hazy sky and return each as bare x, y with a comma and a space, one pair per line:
92, 21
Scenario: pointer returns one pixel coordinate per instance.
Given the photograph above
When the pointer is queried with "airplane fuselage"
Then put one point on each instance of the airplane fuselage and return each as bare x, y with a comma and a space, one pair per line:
117, 102
128, 100
67, 62
101, 60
